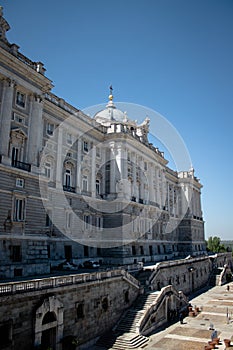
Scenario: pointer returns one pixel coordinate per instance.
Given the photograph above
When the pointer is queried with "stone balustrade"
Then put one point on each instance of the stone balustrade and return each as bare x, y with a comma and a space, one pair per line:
58, 281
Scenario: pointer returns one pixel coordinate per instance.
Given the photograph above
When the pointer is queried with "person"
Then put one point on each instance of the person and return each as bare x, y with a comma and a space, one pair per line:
181, 317
214, 335
228, 287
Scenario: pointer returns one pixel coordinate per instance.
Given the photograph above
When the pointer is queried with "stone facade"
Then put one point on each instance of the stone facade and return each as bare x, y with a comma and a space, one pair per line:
74, 187
45, 312
80, 306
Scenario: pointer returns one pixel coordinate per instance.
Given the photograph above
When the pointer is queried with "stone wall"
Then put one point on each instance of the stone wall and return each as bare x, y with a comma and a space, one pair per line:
84, 310
188, 274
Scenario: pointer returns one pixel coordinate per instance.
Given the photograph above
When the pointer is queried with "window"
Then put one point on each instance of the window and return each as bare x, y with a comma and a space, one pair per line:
98, 222
48, 221
18, 119
47, 170
86, 251
20, 99
98, 154
97, 187
86, 220
67, 178
19, 183
105, 304
68, 219
80, 312
69, 138
50, 129
85, 183
150, 250
19, 209
48, 251
16, 253
68, 252
145, 165
85, 146
133, 250
14, 155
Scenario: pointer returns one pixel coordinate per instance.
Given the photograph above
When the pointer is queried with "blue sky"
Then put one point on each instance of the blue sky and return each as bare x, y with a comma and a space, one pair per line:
172, 56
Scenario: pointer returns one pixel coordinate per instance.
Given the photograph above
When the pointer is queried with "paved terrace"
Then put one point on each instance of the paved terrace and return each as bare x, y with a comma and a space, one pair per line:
217, 309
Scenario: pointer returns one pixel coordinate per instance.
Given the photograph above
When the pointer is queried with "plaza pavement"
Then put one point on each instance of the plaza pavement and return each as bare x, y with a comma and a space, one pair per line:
216, 306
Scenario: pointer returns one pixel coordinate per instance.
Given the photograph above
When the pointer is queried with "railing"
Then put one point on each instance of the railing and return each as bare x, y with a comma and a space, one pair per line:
165, 291
58, 281
21, 165
69, 188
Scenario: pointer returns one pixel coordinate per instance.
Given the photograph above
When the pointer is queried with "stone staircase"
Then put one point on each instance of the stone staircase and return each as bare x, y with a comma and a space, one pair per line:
125, 334
215, 277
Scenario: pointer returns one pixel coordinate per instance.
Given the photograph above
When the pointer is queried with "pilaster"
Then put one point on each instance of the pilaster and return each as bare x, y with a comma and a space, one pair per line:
93, 171
6, 113
59, 169
35, 140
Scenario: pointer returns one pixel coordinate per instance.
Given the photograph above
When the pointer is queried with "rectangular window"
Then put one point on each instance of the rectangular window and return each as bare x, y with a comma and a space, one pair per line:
85, 146
150, 250
19, 209
98, 223
48, 251
20, 99
86, 220
68, 252
69, 139
18, 118
48, 222
14, 156
85, 183
47, 170
16, 253
68, 219
80, 312
50, 129
98, 154
133, 250
97, 187
19, 183
85, 251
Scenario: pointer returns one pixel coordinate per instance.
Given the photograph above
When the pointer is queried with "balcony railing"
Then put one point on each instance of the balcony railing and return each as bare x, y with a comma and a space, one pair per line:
69, 188
21, 165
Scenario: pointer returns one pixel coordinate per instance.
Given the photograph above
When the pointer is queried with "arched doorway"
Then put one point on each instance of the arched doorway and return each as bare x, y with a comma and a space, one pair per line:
49, 331
49, 324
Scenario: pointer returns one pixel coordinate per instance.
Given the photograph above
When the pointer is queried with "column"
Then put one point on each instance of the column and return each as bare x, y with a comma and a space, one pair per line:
35, 141
112, 169
93, 174
6, 114
59, 168
134, 169
151, 183
79, 166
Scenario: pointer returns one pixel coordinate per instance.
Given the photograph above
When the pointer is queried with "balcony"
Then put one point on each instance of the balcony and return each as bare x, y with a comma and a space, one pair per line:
68, 188
21, 165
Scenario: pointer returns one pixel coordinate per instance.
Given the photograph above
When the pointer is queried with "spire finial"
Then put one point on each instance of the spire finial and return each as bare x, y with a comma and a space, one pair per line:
110, 97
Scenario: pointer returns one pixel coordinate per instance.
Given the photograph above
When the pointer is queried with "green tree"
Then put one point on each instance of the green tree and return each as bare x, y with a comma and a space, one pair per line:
214, 245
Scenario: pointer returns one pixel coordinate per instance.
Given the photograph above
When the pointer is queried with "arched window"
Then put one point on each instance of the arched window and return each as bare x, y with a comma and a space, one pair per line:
68, 184
97, 187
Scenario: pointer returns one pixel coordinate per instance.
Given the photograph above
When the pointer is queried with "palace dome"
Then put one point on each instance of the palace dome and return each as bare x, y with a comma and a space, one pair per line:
110, 114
